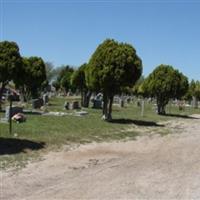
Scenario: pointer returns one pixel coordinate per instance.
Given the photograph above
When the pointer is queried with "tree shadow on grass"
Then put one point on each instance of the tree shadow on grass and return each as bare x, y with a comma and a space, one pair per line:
14, 145
136, 122
180, 116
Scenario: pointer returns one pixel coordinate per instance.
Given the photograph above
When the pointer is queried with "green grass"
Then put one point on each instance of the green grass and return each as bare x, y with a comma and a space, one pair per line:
54, 131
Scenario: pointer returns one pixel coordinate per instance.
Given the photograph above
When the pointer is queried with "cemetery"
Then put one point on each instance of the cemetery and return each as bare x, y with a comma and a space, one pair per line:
56, 126
82, 106
86, 116
58, 132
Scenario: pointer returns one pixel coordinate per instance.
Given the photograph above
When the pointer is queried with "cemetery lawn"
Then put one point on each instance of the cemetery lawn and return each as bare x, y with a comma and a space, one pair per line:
40, 133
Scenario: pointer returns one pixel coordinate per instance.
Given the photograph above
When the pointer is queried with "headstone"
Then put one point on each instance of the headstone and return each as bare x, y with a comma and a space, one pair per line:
116, 100
69, 93
14, 110
128, 99
37, 103
49, 88
66, 105
99, 96
97, 104
74, 105
15, 97
121, 103
138, 104
45, 98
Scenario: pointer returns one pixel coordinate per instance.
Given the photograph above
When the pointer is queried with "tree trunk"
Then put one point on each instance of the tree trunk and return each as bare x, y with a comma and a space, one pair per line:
161, 107
162, 110
1, 92
110, 108
105, 107
22, 95
82, 98
86, 98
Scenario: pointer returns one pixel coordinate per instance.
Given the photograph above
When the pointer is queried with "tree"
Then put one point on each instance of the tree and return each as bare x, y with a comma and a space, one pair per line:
10, 64
56, 85
194, 92
112, 67
64, 78
137, 89
34, 76
196, 89
78, 80
56, 81
165, 83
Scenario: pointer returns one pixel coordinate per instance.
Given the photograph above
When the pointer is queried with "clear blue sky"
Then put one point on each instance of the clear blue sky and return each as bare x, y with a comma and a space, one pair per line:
68, 32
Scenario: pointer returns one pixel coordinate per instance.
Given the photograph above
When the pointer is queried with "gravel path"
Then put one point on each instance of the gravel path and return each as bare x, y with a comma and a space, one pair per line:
151, 167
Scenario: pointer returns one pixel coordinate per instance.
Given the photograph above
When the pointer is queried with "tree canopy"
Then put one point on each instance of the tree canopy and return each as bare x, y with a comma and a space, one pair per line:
165, 83
10, 63
34, 75
78, 80
64, 78
78, 77
193, 93
112, 66
195, 89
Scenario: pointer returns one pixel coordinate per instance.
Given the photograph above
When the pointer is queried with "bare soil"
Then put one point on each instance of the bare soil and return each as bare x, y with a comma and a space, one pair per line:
151, 167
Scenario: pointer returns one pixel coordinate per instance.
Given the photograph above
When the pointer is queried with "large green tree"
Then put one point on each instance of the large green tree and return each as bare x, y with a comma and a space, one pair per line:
64, 78
165, 83
35, 78
112, 67
10, 64
194, 92
78, 80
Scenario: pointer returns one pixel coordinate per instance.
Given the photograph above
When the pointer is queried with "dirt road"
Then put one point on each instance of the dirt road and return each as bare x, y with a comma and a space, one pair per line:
151, 167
